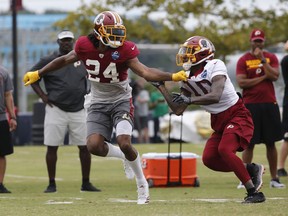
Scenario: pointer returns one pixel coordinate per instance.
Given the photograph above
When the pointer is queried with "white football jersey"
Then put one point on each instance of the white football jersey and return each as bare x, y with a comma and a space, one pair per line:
201, 84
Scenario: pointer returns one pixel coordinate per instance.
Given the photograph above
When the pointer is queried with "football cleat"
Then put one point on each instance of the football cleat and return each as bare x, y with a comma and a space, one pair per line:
256, 175
256, 197
143, 194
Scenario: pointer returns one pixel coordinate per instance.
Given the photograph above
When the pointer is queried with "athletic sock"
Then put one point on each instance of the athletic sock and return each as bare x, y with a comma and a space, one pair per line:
251, 191
114, 151
137, 169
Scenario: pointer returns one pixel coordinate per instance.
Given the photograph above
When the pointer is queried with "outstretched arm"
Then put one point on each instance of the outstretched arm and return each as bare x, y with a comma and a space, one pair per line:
32, 76
153, 74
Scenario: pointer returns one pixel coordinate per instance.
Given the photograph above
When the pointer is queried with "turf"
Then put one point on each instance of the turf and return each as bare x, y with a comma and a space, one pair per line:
26, 177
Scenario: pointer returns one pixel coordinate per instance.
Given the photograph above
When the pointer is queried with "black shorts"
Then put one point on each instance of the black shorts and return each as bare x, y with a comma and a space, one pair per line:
285, 122
143, 122
6, 146
267, 123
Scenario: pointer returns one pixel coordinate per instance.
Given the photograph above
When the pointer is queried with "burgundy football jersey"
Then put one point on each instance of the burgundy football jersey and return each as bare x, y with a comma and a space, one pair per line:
108, 71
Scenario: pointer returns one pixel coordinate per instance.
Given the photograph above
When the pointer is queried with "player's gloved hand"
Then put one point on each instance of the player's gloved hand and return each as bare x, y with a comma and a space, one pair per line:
179, 76
31, 77
157, 84
180, 98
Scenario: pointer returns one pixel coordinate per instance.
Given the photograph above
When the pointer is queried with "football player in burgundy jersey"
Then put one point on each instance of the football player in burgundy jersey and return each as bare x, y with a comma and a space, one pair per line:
209, 86
107, 57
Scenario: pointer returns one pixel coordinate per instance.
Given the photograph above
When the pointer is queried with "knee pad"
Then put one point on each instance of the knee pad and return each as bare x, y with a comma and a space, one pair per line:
124, 128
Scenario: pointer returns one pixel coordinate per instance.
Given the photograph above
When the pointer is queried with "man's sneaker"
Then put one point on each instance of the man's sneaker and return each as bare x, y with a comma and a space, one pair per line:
240, 186
275, 183
143, 194
3, 189
256, 197
128, 170
282, 172
89, 187
256, 172
50, 189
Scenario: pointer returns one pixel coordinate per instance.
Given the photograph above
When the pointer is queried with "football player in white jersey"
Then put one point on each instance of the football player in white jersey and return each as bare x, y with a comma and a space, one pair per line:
209, 86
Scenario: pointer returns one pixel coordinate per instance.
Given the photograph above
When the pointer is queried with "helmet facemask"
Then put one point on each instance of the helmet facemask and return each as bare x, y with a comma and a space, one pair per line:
191, 53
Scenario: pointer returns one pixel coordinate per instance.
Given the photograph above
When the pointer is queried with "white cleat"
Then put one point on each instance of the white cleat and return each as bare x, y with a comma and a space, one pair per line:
128, 170
240, 186
275, 183
143, 194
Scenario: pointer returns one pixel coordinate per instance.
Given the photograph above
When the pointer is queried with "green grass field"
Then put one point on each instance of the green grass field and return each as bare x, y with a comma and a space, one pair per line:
26, 177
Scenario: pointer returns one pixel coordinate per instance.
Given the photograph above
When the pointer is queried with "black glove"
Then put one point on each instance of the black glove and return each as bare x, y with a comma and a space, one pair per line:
180, 98
157, 84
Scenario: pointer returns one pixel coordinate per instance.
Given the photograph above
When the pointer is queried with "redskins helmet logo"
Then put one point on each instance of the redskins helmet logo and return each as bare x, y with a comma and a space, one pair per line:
203, 43
99, 19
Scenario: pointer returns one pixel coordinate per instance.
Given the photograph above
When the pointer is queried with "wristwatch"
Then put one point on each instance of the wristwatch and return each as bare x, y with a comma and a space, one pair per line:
263, 61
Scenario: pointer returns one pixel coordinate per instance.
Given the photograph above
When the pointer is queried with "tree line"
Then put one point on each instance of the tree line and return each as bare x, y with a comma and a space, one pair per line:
226, 23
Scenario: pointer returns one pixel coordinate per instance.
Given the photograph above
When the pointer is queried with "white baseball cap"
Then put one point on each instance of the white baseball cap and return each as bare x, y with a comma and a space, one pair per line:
65, 34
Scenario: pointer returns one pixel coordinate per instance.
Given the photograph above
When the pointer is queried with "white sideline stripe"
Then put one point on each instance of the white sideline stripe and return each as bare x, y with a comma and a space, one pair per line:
48, 202
53, 202
31, 177
121, 200
196, 200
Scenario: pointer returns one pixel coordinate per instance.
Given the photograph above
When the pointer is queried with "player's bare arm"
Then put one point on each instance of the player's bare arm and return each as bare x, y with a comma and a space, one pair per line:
153, 74
214, 95
59, 63
150, 74
32, 76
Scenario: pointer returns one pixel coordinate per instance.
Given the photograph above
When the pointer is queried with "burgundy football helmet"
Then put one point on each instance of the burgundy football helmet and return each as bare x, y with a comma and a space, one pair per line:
109, 28
195, 50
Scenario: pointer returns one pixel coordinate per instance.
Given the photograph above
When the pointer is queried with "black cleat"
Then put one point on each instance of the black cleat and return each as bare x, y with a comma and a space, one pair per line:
50, 189
256, 172
282, 172
256, 197
89, 187
3, 189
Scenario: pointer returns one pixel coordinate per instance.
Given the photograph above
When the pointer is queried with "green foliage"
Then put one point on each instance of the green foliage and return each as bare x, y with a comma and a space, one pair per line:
226, 25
